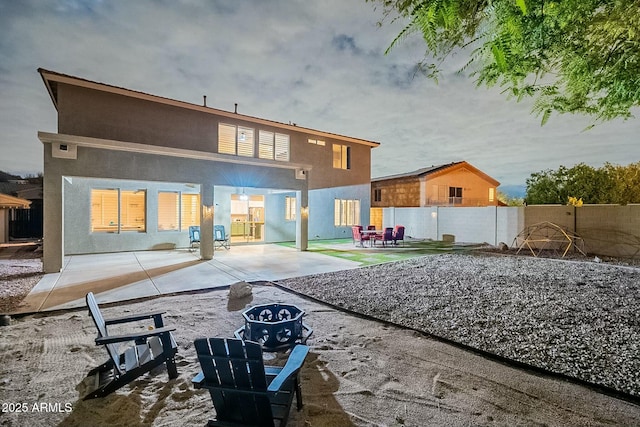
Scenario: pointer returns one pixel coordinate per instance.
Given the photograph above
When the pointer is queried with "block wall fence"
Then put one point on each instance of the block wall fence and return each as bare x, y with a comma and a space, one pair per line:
607, 230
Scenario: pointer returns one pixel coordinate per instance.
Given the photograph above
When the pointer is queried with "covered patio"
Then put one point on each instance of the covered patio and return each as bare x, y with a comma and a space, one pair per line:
123, 276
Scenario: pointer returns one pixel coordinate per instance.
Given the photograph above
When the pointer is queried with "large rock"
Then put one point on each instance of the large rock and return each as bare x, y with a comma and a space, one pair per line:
239, 290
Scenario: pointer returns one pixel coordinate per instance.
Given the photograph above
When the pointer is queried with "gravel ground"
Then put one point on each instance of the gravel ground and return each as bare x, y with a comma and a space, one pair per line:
20, 271
578, 318
571, 317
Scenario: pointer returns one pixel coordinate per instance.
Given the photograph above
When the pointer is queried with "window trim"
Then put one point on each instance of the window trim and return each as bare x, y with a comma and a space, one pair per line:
341, 156
123, 209
290, 204
377, 194
315, 141
178, 212
184, 216
244, 140
346, 212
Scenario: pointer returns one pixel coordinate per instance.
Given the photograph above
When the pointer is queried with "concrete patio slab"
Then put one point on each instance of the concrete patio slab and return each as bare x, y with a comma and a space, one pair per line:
123, 276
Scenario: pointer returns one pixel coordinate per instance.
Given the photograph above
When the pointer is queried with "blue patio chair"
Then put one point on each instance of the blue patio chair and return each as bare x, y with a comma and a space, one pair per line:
194, 236
220, 237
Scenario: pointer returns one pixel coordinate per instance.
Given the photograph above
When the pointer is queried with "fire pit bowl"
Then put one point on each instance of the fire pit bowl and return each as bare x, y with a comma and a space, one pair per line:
275, 326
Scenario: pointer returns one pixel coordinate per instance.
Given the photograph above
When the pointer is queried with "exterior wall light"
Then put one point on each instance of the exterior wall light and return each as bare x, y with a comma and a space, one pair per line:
207, 212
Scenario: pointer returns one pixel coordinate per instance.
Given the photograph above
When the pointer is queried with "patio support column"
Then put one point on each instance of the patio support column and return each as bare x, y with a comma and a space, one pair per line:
302, 222
206, 221
53, 222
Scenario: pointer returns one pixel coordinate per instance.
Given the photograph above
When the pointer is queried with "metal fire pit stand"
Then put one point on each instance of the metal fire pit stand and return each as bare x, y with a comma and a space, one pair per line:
278, 327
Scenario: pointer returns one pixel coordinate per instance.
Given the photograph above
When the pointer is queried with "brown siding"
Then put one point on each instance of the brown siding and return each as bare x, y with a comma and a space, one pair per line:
324, 175
407, 192
92, 113
398, 193
97, 114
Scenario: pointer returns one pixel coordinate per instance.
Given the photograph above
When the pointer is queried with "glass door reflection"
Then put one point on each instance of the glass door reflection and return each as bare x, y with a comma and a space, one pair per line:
247, 218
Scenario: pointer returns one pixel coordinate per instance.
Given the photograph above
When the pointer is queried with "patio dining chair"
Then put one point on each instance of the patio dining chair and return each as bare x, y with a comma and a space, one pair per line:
386, 236
358, 236
398, 234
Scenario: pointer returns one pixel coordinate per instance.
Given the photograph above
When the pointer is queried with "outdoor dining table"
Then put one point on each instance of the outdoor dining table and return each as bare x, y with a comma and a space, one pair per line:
372, 235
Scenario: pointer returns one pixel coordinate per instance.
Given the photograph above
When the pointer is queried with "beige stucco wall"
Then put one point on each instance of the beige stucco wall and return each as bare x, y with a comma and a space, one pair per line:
610, 230
561, 215
607, 230
475, 190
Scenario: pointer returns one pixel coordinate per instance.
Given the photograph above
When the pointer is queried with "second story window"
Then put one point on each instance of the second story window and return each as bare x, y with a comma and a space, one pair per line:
265, 144
236, 140
281, 147
377, 195
341, 156
455, 195
273, 146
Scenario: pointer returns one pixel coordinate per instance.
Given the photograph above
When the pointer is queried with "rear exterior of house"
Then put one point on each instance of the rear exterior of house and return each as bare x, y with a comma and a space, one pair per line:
454, 184
132, 171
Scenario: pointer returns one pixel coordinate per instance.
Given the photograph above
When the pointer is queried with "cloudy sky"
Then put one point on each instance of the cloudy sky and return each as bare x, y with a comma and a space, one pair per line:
319, 64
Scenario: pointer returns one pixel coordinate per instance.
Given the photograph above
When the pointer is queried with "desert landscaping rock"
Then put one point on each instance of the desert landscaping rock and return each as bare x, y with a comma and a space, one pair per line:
17, 278
571, 317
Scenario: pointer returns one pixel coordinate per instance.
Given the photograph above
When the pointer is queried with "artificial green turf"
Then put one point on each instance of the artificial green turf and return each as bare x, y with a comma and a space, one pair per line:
346, 249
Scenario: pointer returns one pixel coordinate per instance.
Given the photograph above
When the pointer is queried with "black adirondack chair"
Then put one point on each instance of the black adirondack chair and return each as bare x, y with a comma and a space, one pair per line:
243, 390
147, 349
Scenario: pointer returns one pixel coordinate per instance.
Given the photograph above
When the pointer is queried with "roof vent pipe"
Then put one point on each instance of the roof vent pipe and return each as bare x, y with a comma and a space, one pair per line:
205, 100
236, 108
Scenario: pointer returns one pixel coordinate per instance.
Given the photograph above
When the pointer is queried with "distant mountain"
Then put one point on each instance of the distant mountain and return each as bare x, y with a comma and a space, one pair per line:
6, 177
514, 191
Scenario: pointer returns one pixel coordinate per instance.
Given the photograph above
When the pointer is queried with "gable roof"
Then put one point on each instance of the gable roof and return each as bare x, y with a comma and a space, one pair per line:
52, 79
438, 170
7, 202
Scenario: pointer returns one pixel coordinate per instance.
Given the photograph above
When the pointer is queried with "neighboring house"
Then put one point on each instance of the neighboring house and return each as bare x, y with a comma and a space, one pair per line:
24, 223
454, 184
7, 204
132, 171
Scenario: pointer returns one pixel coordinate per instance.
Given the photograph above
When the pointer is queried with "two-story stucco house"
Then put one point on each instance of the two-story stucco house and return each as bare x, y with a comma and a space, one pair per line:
132, 171
453, 184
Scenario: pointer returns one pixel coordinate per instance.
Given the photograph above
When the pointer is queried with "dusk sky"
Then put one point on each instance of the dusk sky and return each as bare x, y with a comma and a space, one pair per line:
319, 64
